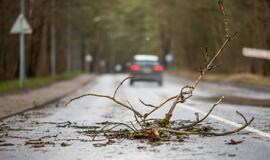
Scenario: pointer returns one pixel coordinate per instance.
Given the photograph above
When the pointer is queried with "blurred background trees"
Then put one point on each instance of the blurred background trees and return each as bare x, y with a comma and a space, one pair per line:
112, 31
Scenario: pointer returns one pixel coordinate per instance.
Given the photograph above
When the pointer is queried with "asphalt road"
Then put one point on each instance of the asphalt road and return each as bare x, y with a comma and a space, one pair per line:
48, 124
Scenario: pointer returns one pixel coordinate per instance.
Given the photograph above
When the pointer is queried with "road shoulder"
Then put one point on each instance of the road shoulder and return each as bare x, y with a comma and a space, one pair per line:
243, 80
11, 104
235, 94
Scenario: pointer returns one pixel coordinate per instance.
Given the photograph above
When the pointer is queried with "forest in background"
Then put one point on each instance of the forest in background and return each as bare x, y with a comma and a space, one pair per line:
112, 31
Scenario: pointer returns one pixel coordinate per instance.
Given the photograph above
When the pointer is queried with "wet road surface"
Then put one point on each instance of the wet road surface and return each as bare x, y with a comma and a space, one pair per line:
49, 123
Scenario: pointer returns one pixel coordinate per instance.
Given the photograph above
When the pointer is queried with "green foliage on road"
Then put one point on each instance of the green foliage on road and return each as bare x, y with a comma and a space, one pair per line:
31, 83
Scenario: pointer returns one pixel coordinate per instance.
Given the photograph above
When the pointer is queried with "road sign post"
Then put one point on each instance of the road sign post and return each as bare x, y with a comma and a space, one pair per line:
53, 40
21, 26
22, 60
22, 46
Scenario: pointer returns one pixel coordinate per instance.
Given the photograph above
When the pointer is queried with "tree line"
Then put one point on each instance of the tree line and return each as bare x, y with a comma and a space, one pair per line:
112, 31
194, 25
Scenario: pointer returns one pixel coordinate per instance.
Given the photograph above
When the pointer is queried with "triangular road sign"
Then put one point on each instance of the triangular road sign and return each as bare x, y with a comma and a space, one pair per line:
21, 26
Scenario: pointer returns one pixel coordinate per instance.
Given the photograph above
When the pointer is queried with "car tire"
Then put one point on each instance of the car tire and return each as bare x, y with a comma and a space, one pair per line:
160, 83
131, 82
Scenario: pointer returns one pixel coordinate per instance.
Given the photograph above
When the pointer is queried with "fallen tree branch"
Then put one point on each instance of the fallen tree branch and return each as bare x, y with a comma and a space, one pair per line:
163, 129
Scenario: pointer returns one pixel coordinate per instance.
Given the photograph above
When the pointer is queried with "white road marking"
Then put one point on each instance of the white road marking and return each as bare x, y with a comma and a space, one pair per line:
250, 129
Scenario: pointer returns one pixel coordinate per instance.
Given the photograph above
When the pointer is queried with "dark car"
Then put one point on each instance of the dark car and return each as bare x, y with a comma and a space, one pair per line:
146, 68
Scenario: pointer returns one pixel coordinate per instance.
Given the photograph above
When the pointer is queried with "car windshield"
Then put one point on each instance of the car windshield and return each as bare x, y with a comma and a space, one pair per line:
146, 63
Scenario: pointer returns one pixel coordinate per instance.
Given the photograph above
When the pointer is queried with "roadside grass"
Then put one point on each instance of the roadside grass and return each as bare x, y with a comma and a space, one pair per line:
31, 83
237, 78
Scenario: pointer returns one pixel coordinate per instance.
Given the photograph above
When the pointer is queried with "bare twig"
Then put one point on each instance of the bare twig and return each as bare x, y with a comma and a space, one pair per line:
225, 19
100, 131
146, 104
201, 120
175, 131
247, 123
108, 97
133, 126
135, 116
197, 116
120, 84
207, 67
